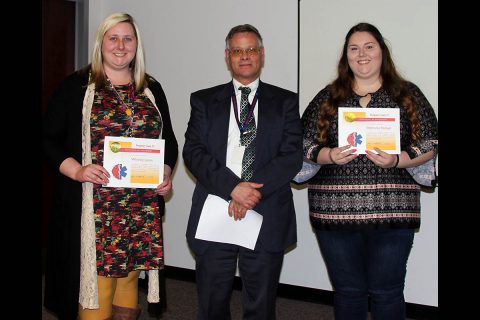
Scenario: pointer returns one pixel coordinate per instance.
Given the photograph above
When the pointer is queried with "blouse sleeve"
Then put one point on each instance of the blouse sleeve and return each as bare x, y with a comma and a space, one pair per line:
310, 117
424, 174
428, 135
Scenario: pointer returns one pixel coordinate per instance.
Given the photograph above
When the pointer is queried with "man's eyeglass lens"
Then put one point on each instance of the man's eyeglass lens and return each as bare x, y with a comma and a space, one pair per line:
239, 52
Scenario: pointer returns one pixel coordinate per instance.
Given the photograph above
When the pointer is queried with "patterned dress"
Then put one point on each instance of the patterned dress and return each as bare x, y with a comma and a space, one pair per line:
127, 220
360, 195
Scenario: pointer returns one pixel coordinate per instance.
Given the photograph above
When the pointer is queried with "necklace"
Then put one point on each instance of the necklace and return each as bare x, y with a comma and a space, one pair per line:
129, 110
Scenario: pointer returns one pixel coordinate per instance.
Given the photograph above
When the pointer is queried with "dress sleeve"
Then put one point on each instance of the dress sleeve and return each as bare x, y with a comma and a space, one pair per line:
61, 134
171, 145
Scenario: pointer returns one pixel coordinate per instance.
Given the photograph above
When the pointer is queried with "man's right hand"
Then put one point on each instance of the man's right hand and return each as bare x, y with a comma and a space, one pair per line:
246, 194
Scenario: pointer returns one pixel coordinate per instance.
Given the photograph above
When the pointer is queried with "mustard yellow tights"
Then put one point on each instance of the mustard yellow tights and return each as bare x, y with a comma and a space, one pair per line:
122, 292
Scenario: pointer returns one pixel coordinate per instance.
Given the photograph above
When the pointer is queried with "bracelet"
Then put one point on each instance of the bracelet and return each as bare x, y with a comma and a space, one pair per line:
330, 156
396, 163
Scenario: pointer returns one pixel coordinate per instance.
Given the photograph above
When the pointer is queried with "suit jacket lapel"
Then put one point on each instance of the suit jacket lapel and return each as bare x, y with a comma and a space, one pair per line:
220, 115
265, 107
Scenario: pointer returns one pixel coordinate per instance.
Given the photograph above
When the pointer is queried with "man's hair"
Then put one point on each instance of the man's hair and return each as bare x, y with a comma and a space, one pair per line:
243, 28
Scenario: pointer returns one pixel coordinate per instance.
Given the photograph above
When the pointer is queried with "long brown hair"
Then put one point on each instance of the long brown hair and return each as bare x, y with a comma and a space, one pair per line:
341, 87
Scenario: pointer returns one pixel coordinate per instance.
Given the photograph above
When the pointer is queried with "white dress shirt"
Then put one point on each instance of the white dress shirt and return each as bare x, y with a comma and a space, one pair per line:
234, 158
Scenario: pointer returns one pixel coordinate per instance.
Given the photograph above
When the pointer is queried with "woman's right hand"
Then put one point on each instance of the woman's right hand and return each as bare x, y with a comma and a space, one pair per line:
341, 155
93, 173
90, 173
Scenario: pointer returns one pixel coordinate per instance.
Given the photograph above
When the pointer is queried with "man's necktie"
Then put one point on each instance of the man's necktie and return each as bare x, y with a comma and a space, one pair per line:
247, 138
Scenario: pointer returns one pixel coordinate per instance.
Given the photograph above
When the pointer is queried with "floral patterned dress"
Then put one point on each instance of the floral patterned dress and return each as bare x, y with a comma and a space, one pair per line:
127, 220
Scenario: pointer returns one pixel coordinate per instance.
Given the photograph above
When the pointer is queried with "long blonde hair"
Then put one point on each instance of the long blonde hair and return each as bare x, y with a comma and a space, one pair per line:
138, 63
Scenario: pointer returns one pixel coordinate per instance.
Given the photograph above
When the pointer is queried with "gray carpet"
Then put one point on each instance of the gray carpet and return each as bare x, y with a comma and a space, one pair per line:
182, 303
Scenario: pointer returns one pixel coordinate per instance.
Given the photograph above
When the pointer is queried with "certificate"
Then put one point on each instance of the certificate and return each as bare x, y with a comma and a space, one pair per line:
134, 162
367, 128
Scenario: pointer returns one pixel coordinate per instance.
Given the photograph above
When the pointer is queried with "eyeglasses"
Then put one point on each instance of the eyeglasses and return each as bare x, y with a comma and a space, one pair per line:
238, 52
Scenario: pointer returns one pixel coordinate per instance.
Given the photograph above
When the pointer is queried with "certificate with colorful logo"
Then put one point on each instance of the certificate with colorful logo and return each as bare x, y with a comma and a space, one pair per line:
134, 162
368, 128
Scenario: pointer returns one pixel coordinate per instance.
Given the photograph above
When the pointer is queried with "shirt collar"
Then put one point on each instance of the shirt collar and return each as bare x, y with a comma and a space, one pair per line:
252, 85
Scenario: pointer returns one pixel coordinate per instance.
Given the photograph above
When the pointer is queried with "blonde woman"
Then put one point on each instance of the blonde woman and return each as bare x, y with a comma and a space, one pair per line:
101, 238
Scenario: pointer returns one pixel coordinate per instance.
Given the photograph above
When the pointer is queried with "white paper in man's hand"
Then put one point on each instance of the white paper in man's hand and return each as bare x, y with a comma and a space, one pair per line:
216, 225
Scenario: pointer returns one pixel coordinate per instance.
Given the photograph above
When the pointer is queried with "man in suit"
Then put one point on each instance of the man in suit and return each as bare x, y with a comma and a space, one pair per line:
247, 158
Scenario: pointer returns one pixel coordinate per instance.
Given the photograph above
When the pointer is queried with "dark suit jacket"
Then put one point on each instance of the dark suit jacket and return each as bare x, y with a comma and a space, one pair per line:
278, 157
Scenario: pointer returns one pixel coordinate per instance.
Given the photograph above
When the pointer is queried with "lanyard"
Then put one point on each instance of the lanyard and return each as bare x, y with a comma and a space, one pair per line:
249, 117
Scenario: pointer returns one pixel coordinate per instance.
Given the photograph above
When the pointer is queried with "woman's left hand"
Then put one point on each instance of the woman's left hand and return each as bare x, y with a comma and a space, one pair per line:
382, 159
165, 187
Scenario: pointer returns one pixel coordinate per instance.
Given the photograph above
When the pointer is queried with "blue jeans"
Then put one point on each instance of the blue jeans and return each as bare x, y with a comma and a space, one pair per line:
367, 264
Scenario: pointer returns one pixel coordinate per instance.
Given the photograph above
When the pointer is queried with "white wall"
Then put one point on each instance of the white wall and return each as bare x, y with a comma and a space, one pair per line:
411, 28
184, 42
